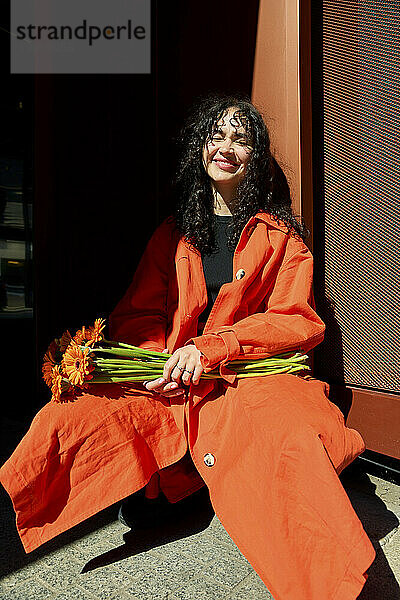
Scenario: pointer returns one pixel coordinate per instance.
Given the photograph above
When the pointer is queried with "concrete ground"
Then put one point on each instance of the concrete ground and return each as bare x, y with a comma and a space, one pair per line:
192, 558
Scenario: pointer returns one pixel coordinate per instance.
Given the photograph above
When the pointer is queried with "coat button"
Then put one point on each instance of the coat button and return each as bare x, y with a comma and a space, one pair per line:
209, 459
241, 273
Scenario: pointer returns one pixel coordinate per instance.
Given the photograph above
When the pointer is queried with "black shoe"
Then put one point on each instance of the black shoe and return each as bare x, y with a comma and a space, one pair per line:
139, 512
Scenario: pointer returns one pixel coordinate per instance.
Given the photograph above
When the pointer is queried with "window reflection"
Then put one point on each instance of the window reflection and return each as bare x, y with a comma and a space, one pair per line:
15, 240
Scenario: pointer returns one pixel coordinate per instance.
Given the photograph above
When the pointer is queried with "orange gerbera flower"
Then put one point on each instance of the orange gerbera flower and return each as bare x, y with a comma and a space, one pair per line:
65, 340
59, 384
87, 336
47, 369
76, 364
80, 337
53, 350
94, 334
50, 359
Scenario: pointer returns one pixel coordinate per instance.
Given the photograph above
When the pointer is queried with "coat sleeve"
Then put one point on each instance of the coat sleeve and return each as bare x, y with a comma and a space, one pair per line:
140, 317
289, 322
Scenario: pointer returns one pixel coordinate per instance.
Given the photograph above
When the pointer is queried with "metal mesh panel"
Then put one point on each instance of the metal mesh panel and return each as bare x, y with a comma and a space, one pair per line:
356, 222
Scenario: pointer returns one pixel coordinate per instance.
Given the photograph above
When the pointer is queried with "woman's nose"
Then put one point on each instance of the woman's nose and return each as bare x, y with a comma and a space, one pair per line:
226, 145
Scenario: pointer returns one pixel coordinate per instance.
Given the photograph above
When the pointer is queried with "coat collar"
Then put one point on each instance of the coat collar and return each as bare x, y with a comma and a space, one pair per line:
266, 218
251, 223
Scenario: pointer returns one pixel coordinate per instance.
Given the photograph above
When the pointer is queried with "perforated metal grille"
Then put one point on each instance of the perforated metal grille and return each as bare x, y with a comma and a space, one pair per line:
359, 190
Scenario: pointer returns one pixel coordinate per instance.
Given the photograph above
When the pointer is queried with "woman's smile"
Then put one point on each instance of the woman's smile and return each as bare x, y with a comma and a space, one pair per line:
225, 165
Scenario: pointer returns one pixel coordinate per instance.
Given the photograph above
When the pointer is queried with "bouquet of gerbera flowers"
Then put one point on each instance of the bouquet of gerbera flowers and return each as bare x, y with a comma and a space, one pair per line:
72, 363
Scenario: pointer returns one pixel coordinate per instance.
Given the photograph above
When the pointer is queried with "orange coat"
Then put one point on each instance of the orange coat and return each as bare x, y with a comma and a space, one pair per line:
269, 448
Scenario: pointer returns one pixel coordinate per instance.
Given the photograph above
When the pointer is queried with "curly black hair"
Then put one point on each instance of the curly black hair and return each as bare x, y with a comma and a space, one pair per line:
263, 188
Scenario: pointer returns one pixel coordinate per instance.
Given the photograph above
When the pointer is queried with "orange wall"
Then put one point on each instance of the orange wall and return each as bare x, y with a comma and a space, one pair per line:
276, 90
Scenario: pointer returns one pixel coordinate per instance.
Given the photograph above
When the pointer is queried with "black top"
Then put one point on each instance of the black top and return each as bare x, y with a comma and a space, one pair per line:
218, 266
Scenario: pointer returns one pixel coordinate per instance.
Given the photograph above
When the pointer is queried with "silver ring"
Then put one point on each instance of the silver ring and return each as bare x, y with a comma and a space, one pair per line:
188, 371
180, 368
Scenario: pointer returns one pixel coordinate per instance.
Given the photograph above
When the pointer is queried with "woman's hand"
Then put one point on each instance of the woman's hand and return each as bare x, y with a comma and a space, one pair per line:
183, 367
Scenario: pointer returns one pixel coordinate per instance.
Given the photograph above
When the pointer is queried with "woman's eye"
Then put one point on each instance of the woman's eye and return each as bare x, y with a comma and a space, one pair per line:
217, 138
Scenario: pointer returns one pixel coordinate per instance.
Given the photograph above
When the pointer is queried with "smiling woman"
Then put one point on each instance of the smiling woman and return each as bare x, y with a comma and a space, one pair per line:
268, 449
228, 150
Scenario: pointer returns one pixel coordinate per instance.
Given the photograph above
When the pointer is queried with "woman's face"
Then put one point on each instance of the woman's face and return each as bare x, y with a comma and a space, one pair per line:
227, 153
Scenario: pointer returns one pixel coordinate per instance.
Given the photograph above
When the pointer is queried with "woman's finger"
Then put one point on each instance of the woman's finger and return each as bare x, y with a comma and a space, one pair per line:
177, 372
197, 374
155, 384
169, 367
170, 389
178, 368
188, 372
160, 386
170, 386
173, 393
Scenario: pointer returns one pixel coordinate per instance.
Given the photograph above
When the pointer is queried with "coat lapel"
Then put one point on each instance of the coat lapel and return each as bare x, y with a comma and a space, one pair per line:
191, 281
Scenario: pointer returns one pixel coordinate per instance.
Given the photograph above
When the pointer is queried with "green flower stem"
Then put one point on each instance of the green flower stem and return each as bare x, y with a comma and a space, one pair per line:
129, 371
118, 352
269, 360
136, 349
159, 372
262, 365
132, 364
235, 363
138, 378
121, 349
141, 375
